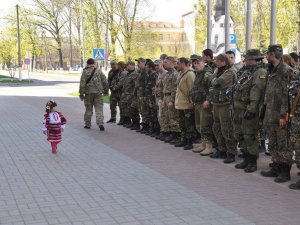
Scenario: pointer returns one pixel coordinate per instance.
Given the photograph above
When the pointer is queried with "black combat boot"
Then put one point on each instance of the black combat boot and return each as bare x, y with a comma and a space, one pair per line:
121, 122
111, 120
176, 138
284, 174
218, 155
243, 164
127, 122
189, 144
295, 186
141, 128
252, 165
170, 137
145, 129
182, 143
230, 158
165, 135
273, 172
160, 135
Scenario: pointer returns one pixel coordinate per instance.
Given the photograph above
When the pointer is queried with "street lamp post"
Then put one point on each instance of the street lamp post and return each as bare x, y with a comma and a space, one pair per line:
273, 23
83, 35
227, 24
19, 44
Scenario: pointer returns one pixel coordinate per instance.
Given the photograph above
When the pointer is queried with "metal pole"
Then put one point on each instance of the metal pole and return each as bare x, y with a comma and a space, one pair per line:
19, 45
71, 48
298, 27
45, 56
106, 43
248, 25
273, 23
208, 24
83, 41
227, 24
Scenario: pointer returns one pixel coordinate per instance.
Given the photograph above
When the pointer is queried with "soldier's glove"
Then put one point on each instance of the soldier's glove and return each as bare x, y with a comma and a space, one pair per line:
249, 115
81, 97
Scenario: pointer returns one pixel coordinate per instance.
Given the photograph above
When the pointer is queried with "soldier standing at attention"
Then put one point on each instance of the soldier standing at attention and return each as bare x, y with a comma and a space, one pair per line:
248, 100
183, 104
170, 115
93, 85
203, 108
114, 99
276, 104
223, 79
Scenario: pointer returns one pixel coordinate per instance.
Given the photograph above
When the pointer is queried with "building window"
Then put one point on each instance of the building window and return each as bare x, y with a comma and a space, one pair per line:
175, 37
222, 25
161, 37
168, 37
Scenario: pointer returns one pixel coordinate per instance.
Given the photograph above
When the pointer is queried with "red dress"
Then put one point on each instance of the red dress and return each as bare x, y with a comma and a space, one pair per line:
53, 123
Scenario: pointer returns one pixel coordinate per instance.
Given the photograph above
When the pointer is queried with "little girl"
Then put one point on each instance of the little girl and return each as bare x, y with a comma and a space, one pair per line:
53, 124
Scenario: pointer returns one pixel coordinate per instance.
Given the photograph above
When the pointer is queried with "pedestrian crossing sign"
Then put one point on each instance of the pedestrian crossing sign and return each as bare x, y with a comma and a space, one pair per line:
99, 54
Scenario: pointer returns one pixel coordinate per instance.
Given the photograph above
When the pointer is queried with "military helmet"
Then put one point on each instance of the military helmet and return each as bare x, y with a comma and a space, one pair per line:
253, 54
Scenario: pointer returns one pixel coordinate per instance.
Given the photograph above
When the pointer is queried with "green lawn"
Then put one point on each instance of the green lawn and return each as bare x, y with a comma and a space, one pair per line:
16, 81
105, 98
3, 76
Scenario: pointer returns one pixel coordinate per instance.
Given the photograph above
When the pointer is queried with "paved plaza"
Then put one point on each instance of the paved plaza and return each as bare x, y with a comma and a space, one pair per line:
119, 177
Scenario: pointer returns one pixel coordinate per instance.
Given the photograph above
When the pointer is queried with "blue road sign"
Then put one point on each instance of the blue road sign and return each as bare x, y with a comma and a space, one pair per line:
232, 38
99, 54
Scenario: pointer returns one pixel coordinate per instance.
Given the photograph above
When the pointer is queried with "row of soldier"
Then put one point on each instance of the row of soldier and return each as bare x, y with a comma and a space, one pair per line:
181, 100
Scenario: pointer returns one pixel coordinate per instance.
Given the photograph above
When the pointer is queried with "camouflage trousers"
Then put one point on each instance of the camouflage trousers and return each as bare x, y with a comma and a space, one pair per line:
143, 109
93, 101
294, 138
278, 144
153, 119
186, 122
245, 132
162, 123
131, 112
170, 115
204, 122
223, 129
114, 101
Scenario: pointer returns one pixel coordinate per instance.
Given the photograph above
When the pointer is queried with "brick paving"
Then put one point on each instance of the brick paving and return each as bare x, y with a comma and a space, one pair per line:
119, 176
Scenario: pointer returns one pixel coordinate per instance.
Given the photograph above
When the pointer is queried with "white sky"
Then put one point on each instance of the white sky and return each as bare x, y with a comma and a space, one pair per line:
160, 10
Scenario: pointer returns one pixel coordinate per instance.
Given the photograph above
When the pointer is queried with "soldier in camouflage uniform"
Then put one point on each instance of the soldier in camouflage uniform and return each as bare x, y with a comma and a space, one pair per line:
93, 85
220, 96
127, 97
169, 114
247, 100
294, 126
203, 108
117, 88
276, 104
114, 99
185, 107
140, 94
150, 99
159, 98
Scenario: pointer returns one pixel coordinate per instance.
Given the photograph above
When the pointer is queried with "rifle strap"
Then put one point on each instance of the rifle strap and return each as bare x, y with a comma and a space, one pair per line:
295, 102
90, 77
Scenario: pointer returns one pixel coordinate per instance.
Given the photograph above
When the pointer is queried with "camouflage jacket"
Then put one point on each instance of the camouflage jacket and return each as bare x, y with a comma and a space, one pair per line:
140, 83
159, 86
249, 88
128, 86
150, 86
98, 83
169, 83
222, 82
276, 94
200, 90
113, 79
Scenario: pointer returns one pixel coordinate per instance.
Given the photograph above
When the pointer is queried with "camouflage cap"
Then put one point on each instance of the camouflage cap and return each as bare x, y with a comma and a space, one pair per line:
197, 58
253, 54
130, 63
157, 62
275, 48
140, 59
113, 62
194, 57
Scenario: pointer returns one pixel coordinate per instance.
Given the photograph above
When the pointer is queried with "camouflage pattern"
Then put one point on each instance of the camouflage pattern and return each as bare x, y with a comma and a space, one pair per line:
140, 94
113, 79
248, 96
92, 93
276, 103
127, 97
186, 122
222, 81
205, 122
118, 87
151, 101
170, 115
159, 101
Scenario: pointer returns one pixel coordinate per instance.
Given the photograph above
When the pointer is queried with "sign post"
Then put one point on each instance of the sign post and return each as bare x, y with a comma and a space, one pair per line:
27, 62
99, 54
